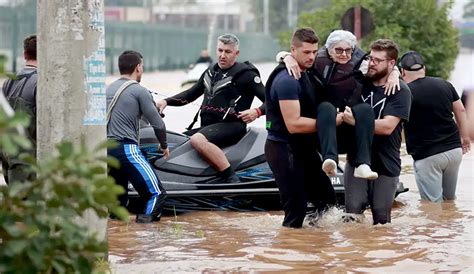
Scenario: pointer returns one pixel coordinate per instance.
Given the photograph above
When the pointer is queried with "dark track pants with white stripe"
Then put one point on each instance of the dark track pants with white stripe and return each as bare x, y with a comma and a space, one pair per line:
134, 168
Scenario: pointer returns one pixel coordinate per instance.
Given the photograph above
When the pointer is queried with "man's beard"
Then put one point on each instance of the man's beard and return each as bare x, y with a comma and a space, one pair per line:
377, 75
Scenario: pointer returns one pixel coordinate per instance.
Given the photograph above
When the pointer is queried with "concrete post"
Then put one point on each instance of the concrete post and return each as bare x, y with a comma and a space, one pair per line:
71, 86
14, 38
292, 14
266, 14
212, 32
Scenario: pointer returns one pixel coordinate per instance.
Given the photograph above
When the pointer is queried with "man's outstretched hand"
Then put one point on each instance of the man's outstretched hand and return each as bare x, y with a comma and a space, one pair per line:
248, 115
161, 105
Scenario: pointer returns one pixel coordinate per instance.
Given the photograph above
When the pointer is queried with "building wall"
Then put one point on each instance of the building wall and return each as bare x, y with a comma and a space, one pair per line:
228, 15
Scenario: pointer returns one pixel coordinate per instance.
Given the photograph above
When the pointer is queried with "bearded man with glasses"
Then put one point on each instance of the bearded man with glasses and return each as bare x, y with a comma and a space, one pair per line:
390, 112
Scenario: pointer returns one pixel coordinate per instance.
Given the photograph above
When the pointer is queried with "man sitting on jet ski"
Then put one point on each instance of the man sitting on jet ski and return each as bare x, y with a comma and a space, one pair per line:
229, 88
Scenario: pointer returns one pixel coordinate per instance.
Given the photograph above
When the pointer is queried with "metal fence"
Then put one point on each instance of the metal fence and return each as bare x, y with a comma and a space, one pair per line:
172, 47
15, 25
162, 47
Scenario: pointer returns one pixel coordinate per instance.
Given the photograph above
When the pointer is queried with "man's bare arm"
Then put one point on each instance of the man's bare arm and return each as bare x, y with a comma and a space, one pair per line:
386, 125
290, 110
461, 119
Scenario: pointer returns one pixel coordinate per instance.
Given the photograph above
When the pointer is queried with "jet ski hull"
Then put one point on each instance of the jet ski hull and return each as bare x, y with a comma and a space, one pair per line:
191, 183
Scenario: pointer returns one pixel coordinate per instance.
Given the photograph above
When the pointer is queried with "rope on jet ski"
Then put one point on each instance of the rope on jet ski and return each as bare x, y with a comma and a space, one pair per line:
224, 111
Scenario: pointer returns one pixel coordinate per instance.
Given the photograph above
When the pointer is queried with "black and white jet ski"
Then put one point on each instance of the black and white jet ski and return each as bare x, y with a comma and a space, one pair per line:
191, 184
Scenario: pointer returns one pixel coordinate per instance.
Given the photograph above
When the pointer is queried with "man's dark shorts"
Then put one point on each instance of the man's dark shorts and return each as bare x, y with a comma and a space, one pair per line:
221, 134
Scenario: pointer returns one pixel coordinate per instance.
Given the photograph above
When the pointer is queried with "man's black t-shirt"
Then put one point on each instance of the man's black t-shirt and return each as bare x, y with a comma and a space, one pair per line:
431, 129
284, 87
386, 148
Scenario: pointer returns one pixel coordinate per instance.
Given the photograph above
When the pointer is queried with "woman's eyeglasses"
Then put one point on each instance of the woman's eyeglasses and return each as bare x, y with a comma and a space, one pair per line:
375, 59
348, 51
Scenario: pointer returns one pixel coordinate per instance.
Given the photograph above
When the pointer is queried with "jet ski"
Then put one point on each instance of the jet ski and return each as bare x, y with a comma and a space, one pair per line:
191, 184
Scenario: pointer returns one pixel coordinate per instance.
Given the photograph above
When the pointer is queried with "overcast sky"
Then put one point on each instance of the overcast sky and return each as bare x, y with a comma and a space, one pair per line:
457, 10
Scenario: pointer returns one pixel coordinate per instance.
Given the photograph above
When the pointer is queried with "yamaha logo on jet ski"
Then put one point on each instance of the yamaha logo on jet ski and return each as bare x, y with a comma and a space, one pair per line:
335, 181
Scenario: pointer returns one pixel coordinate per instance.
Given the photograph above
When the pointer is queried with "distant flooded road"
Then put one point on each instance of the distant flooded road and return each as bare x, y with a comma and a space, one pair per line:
423, 237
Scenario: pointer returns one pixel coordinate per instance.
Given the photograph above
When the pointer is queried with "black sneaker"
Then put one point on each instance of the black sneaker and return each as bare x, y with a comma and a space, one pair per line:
144, 219
156, 212
234, 179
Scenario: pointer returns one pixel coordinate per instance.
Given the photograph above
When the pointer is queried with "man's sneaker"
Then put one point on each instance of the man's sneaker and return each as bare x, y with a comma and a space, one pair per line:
329, 167
363, 171
234, 179
156, 212
143, 218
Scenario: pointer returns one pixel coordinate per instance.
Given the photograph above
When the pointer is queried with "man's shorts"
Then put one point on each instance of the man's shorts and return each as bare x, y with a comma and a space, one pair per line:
221, 134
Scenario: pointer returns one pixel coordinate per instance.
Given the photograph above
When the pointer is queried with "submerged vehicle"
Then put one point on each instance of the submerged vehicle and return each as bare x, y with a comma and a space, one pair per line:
191, 184
193, 74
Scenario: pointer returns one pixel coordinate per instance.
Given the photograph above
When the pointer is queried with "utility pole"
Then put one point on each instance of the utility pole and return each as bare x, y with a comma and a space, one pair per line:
357, 22
266, 8
14, 37
212, 31
292, 14
71, 102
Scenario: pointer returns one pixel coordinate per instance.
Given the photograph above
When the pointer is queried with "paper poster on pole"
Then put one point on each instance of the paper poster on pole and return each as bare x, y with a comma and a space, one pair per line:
94, 68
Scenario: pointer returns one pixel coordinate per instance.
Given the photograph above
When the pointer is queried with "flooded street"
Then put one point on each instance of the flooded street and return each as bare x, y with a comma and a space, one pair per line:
423, 237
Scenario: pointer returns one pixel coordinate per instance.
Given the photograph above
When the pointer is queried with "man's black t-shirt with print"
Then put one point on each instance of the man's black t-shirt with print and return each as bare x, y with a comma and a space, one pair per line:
386, 148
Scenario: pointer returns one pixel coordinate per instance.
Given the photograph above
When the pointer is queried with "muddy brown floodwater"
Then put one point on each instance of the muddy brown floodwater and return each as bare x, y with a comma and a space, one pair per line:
423, 237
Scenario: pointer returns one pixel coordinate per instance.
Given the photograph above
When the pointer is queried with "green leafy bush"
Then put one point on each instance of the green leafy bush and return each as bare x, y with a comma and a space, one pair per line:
10, 127
40, 224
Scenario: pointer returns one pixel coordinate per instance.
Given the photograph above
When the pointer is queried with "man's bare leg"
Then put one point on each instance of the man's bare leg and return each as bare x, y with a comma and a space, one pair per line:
209, 152
215, 157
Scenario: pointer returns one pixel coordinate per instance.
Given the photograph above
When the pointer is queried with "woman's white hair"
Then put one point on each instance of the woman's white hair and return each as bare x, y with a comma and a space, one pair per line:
341, 36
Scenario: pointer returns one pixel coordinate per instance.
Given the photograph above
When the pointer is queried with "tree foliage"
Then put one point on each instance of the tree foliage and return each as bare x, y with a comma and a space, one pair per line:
10, 127
40, 227
418, 25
